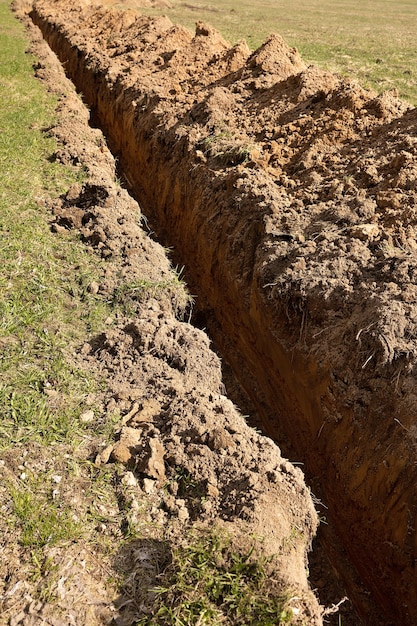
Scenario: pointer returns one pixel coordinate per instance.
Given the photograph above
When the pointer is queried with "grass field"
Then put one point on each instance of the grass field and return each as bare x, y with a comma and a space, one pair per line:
371, 41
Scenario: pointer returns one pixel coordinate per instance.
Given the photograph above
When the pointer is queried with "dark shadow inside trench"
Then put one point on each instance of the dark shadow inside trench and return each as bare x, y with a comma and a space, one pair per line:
323, 576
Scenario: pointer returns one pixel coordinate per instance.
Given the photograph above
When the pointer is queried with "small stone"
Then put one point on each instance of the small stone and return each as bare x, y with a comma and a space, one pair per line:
150, 409
154, 465
121, 453
365, 231
149, 485
103, 457
219, 439
131, 437
86, 417
129, 480
93, 287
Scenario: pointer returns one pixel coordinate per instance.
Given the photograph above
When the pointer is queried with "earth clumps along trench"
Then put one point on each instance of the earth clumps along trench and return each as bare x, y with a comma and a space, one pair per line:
191, 463
290, 193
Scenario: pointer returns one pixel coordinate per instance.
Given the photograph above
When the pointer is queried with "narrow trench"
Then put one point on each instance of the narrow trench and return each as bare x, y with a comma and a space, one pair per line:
323, 576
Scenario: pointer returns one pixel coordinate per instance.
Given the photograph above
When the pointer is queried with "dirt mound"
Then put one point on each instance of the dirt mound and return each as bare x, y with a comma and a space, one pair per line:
191, 460
290, 194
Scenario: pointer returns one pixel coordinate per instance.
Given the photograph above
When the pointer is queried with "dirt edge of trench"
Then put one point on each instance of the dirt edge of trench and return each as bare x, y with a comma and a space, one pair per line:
290, 195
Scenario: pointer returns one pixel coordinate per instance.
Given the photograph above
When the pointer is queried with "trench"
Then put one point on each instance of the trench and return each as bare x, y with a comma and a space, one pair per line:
216, 222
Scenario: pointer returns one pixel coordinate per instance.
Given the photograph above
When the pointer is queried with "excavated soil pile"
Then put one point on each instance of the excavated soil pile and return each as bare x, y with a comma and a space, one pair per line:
190, 459
291, 196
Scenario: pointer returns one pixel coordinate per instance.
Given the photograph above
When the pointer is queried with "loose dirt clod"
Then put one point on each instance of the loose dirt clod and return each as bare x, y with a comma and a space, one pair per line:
290, 194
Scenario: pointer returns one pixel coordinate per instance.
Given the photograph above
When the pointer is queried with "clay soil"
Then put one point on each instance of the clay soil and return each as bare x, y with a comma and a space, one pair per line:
290, 196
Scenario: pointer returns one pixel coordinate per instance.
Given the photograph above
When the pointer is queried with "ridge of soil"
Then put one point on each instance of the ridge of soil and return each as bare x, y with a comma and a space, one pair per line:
165, 381
290, 194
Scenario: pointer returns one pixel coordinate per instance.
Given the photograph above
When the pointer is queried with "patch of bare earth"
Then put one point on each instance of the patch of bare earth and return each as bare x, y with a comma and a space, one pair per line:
181, 456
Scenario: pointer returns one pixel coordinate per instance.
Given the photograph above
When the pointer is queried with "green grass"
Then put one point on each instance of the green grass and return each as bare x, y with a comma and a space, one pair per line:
56, 524
129, 294
225, 149
211, 582
45, 306
373, 42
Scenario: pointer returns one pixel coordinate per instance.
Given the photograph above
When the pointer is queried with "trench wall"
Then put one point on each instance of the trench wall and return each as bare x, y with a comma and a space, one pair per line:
218, 222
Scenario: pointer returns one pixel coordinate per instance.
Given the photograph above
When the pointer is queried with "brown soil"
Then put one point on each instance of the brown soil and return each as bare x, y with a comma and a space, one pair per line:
290, 195
186, 456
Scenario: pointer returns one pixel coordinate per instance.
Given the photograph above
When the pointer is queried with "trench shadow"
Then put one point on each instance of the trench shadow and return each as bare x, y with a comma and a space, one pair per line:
140, 564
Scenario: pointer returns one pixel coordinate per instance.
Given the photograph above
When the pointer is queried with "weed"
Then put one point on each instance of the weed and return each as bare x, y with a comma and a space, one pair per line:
211, 582
186, 482
189, 488
293, 539
225, 149
42, 567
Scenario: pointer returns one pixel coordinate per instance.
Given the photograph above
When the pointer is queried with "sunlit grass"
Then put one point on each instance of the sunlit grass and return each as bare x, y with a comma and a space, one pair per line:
54, 525
45, 306
210, 582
